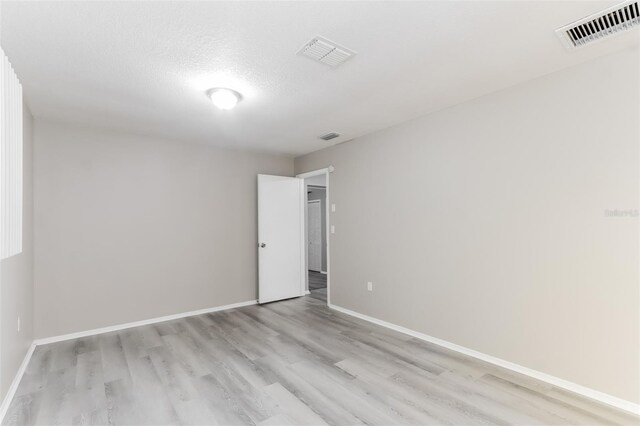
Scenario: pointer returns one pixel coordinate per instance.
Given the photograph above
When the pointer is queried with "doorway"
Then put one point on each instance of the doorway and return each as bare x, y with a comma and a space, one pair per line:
316, 234
283, 236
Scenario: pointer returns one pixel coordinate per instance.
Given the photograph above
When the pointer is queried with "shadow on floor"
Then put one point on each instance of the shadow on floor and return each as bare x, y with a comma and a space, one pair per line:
318, 285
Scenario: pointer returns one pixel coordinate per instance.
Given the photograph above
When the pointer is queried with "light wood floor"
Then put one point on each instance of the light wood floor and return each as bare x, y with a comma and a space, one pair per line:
317, 280
287, 363
318, 286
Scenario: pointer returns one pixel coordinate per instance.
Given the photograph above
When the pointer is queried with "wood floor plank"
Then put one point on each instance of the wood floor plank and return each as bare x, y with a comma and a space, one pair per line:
24, 409
323, 405
291, 407
114, 363
341, 392
407, 403
294, 362
97, 417
195, 412
173, 375
57, 396
592, 407
570, 414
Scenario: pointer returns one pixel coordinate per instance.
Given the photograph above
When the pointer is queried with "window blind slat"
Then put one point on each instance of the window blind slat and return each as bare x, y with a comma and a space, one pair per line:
10, 160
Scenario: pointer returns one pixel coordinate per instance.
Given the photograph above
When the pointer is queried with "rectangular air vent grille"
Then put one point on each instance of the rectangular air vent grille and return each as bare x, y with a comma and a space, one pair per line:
329, 136
595, 27
326, 52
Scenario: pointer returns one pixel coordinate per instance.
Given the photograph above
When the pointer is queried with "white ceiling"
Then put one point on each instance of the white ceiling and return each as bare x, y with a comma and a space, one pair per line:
143, 67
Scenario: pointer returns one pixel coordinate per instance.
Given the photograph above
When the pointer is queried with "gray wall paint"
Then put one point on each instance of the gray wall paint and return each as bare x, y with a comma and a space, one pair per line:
321, 194
130, 228
16, 278
484, 224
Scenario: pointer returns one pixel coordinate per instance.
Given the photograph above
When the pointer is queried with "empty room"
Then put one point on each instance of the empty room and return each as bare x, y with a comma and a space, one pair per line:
283, 213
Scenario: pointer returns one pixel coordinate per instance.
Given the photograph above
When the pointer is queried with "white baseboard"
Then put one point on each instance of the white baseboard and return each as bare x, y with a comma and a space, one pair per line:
307, 292
16, 381
561, 383
86, 333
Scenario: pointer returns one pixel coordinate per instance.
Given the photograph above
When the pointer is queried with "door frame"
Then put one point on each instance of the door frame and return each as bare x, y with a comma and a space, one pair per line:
327, 172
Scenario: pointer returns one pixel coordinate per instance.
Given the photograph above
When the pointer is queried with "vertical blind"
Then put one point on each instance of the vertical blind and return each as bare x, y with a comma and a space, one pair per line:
10, 160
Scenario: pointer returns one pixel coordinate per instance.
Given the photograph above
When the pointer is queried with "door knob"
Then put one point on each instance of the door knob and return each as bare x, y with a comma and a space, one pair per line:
262, 245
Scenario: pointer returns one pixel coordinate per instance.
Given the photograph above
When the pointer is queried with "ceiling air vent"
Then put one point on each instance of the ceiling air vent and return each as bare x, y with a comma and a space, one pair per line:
329, 136
613, 20
326, 52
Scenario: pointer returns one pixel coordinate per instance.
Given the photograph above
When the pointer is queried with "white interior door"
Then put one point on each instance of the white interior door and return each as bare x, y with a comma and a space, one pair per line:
281, 272
314, 223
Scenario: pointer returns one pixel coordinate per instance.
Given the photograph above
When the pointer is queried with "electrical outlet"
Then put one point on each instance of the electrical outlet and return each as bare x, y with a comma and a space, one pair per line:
18, 324
333, 208
333, 229
370, 286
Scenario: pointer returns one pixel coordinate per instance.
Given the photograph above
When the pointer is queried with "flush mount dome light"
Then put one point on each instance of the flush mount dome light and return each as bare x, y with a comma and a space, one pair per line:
224, 98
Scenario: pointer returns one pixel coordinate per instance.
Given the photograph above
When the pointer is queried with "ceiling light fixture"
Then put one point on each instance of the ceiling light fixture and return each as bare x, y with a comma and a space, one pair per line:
224, 98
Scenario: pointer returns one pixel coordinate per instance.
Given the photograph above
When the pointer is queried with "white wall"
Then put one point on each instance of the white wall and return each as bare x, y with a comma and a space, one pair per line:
318, 180
130, 228
16, 278
484, 224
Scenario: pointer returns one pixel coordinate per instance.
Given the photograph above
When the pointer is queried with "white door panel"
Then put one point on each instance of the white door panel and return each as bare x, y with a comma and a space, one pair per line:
280, 238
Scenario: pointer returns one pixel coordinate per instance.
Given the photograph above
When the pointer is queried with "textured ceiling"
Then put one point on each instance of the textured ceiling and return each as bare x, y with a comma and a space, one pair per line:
143, 67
